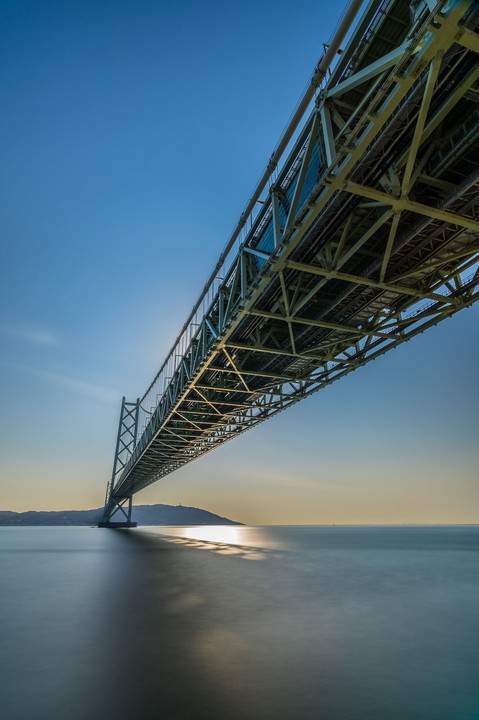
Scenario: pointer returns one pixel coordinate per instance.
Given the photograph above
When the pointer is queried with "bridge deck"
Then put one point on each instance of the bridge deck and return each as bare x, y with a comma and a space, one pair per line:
368, 236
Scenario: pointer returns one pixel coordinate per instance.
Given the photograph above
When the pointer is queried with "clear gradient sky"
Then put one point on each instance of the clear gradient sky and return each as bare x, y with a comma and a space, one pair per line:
133, 133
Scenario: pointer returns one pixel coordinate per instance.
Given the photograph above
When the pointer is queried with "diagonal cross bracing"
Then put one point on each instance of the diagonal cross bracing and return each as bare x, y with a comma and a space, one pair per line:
369, 236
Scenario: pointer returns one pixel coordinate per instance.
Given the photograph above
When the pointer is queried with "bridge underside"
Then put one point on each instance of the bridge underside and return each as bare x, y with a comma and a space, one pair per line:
369, 235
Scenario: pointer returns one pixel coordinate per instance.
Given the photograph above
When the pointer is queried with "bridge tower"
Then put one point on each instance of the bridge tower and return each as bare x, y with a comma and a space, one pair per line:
125, 444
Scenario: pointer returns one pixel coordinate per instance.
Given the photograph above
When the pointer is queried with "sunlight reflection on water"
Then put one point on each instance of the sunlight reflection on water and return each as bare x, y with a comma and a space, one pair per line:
218, 534
248, 542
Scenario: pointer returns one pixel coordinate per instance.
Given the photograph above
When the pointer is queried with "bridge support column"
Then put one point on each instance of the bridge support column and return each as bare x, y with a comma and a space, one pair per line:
125, 444
114, 507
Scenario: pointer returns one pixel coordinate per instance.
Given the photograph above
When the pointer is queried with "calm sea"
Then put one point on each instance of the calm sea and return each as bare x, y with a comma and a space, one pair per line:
327, 623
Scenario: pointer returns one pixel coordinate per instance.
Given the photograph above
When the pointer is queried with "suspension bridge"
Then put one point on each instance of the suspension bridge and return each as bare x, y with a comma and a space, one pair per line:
362, 232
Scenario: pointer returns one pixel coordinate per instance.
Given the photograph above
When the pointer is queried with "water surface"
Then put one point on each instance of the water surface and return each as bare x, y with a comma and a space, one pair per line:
328, 623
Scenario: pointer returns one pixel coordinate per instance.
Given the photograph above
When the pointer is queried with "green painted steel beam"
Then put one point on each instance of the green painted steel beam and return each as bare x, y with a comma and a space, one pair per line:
360, 280
404, 203
376, 68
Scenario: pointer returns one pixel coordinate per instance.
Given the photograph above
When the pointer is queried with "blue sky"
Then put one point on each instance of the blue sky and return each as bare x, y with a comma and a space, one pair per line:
133, 134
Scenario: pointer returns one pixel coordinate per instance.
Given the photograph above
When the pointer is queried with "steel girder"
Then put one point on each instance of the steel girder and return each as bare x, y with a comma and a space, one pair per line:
369, 236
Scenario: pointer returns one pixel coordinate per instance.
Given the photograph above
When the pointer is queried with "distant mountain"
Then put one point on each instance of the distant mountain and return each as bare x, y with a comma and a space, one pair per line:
142, 514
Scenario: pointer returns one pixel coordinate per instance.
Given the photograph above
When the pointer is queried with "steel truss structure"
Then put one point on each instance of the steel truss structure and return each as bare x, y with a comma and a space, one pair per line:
368, 235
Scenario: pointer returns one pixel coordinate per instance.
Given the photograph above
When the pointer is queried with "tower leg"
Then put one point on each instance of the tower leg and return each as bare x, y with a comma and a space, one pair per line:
123, 519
